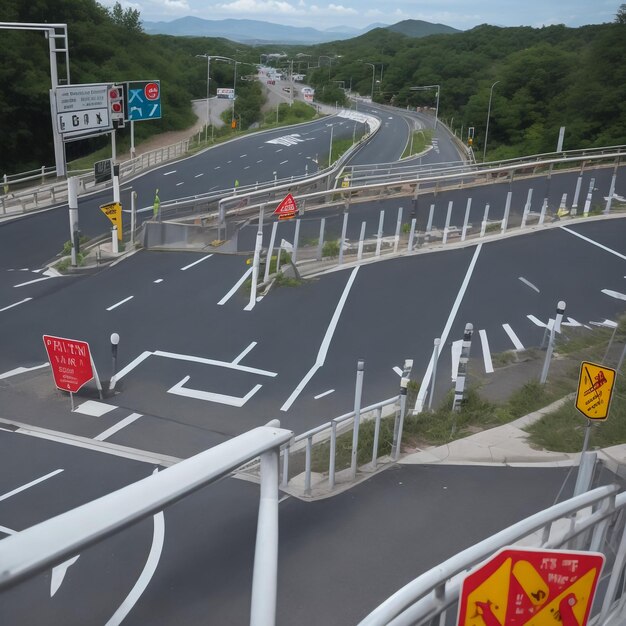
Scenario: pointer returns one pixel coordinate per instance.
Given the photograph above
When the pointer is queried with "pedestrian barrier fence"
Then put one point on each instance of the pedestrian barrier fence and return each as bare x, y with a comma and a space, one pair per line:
51, 542
593, 521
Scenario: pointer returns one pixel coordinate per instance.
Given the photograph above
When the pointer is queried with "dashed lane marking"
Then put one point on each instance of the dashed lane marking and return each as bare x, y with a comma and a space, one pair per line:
114, 306
204, 258
6, 308
529, 284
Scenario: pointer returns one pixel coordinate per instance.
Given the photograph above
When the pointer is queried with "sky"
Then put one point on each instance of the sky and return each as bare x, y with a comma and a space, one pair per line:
461, 14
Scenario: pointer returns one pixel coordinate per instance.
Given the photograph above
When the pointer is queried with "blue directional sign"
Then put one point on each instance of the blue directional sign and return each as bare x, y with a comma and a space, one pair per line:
143, 100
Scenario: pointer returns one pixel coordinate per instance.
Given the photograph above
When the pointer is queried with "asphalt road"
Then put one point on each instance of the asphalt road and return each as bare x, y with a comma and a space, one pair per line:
338, 558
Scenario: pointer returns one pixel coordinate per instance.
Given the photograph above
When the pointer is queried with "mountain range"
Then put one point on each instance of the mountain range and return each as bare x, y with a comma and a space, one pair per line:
259, 32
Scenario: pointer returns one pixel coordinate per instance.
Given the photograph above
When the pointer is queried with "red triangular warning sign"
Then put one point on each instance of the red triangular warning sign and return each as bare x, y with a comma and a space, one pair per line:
287, 208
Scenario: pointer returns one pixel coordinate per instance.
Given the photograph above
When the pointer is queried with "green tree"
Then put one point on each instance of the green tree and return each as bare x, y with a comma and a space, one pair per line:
620, 16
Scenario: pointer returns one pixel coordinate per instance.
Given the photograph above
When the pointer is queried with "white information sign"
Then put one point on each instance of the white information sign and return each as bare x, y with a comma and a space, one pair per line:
82, 108
225, 92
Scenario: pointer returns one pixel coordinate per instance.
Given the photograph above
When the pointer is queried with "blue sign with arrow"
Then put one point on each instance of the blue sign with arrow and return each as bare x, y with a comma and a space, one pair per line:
143, 100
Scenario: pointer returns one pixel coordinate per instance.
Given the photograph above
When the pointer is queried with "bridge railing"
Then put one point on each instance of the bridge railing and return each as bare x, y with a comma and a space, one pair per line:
49, 543
593, 521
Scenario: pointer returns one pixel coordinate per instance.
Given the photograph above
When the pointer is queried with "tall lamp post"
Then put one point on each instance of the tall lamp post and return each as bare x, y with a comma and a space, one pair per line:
423, 88
208, 58
488, 115
373, 76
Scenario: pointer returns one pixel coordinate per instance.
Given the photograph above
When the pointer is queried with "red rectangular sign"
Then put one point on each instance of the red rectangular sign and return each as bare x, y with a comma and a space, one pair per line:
70, 361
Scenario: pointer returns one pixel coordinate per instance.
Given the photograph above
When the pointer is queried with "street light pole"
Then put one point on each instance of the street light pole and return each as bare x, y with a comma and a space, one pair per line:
488, 114
373, 76
208, 58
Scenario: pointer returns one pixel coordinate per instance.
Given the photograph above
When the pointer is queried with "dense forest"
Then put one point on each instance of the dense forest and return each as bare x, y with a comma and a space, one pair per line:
542, 78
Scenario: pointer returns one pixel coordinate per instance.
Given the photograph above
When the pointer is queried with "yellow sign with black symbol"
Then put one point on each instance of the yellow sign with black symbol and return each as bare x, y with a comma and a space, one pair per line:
113, 211
595, 388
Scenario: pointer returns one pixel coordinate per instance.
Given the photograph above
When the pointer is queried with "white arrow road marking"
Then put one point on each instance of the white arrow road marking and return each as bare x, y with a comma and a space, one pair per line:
571, 322
536, 321
614, 294
605, 323
158, 538
58, 574
208, 396
397, 370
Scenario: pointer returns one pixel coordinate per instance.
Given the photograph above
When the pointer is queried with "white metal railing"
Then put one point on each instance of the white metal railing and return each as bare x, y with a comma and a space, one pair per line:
35, 549
432, 596
328, 432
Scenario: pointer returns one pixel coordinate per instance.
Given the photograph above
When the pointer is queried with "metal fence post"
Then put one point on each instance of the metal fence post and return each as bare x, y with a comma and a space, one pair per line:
397, 235
265, 571
379, 236
556, 327
412, 234
447, 225
466, 220
609, 200
357, 417
542, 216
379, 413
399, 425
361, 238
526, 208
579, 181
285, 479
592, 184
429, 225
483, 225
342, 241
459, 388
507, 208
431, 395
333, 452
268, 258
296, 237
320, 243
307, 465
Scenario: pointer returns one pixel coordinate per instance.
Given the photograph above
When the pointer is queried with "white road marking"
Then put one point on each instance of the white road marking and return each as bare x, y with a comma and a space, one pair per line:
32, 483
595, 243
225, 364
260, 160
236, 286
421, 396
228, 161
208, 396
132, 365
198, 175
514, 338
21, 370
58, 574
7, 531
217, 167
397, 370
94, 408
537, 321
121, 424
326, 393
6, 308
114, 306
279, 150
283, 162
486, 352
179, 184
36, 280
204, 258
243, 354
605, 323
168, 173
323, 351
614, 294
571, 322
158, 538
241, 156
529, 284
246, 167
158, 280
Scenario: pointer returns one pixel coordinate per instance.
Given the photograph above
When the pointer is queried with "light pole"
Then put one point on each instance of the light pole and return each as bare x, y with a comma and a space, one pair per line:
488, 114
208, 58
373, 76
423, 88
330, 62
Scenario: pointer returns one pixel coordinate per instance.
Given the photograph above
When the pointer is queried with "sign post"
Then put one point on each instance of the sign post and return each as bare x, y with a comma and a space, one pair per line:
519, 587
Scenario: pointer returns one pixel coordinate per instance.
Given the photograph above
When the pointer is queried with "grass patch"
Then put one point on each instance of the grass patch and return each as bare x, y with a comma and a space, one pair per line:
330, 248
418, 142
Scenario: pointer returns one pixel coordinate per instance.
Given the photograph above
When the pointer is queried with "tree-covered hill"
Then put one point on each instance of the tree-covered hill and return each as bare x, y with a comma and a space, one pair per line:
546, 78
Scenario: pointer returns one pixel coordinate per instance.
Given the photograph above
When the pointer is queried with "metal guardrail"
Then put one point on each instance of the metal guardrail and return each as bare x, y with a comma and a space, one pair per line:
35, 549
433, 596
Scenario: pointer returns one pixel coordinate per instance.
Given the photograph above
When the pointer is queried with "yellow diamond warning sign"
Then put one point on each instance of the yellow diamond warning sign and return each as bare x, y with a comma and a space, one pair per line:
595, 387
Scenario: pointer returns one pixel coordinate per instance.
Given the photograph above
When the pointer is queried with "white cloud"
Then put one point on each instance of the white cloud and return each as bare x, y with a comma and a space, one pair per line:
177, 5
258, 6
